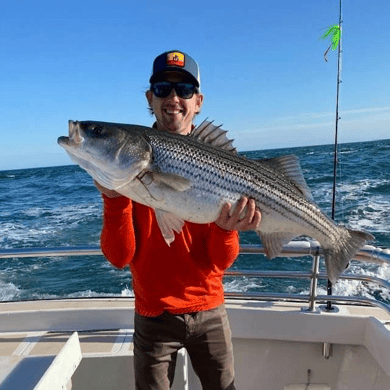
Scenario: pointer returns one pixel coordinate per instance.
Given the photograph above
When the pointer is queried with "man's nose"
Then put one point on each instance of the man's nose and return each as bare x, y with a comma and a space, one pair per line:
173, 94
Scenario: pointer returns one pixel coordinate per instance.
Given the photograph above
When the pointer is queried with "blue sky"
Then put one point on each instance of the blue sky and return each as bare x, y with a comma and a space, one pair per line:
262, 68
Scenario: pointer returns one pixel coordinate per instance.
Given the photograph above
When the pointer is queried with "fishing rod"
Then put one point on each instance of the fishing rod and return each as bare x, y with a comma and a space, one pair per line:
335, 160
337, 116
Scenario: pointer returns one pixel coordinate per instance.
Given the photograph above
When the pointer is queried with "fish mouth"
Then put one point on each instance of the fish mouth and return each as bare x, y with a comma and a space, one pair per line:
75, 138
75, 132
63, 141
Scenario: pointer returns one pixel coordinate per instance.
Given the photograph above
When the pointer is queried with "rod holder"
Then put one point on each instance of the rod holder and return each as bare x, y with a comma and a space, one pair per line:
327, 350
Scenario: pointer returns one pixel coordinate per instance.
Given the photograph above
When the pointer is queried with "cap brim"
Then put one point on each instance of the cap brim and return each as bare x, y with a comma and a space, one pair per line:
159, 75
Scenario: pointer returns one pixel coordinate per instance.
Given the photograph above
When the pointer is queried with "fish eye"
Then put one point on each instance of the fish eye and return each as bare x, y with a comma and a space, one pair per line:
97, 130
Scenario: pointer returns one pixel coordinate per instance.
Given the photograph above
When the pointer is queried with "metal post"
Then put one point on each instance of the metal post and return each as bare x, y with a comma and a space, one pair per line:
327, 350
313, 283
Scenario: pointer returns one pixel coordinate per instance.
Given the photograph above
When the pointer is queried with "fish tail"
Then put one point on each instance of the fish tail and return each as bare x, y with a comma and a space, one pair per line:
338, 256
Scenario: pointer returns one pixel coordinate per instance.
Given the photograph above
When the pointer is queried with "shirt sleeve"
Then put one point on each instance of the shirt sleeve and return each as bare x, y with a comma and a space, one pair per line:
117, 239
223, 246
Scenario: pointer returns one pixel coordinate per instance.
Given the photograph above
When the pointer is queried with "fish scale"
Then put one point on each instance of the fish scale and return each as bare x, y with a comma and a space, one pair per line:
205, 170
174, 158
269, 189
190, 178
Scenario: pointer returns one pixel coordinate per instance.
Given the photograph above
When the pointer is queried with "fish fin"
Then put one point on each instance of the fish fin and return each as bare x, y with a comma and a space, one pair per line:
213, 135
290, 167
348, 244
177, 182
273, 242
168, 223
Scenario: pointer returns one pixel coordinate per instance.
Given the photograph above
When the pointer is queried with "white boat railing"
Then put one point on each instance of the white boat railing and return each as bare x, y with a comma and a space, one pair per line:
368, 253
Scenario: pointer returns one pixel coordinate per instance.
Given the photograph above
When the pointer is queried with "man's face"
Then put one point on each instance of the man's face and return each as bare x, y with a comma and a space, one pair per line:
175, 114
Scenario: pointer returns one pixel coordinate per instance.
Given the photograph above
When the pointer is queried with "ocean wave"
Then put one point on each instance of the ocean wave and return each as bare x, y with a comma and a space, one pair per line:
8, 291
365, 186
356, 288
243, 284
374, 216
126, 292
38, 224
14, 234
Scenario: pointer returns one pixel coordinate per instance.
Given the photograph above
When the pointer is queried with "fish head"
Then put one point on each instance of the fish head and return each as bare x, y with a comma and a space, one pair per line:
112, 154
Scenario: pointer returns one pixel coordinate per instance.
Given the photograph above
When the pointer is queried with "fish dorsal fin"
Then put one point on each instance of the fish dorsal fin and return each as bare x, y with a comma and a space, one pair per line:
290, 167
213, 135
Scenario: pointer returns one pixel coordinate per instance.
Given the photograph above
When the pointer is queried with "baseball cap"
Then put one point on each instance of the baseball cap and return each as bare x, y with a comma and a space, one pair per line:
177, 61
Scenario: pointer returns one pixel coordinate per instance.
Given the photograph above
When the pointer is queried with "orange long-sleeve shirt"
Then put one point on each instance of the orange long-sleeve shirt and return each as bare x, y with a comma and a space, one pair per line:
182, 278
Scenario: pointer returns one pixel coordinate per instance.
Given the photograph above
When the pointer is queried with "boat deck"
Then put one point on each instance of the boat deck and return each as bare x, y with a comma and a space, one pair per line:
275, 346
281, 341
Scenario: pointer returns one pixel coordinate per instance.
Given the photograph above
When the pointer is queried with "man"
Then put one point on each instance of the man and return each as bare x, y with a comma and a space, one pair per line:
179, 298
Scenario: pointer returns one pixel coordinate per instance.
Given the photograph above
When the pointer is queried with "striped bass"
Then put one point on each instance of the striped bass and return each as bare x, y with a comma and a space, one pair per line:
190, 178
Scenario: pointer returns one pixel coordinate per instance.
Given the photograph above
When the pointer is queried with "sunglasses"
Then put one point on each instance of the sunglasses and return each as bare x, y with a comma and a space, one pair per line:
162, 89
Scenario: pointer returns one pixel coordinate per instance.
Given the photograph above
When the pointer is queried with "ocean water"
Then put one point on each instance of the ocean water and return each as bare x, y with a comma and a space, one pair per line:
60, 206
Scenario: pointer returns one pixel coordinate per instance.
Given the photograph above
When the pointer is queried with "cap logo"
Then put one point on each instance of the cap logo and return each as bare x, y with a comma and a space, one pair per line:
175, 59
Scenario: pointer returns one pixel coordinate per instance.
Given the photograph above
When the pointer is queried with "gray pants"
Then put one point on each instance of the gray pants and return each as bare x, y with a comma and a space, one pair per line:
206, 336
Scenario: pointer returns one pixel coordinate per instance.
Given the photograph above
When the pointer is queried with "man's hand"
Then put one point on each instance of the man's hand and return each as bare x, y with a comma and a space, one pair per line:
106, 191
250, 221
